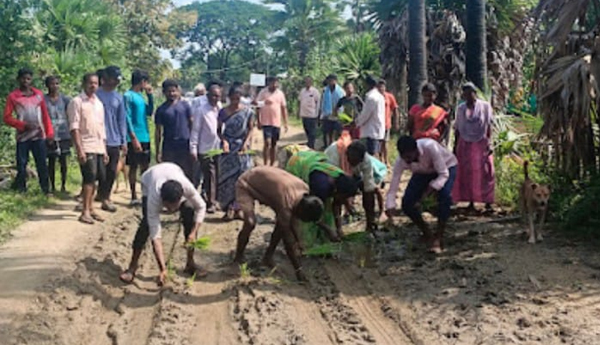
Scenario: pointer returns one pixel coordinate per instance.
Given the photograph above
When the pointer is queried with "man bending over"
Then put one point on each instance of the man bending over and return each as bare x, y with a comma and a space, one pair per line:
165, 185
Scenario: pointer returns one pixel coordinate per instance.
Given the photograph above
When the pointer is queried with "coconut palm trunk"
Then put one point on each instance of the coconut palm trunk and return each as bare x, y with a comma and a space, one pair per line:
417, 68
476, 50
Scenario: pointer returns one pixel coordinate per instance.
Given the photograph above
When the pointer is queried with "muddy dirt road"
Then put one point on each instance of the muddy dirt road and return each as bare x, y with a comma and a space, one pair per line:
59, 285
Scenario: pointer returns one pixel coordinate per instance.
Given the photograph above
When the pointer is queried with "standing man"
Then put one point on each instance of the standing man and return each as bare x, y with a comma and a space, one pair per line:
60, 148
309, 110
371, 120
138, 134
204, 138
33, 127
331, 96
173, 121
391, 116
86, 121
166, 186
115, 120
433, 170
270, 115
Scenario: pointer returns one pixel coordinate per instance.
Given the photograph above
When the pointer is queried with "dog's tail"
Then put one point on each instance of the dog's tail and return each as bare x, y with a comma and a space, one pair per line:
526, 170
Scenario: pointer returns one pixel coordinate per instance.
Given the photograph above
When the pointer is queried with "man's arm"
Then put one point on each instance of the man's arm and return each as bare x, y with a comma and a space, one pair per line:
73, 115
9, 119
122, 121
157, 142
129, 119
366, 113
390, 203
150, 104
47, 122
193, 197
440, 167
284, 115
196, 127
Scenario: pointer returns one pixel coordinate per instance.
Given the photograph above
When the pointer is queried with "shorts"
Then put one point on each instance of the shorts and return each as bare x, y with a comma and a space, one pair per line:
373, 146
59, 148
330, 126
93, 169
271, 132
138, 158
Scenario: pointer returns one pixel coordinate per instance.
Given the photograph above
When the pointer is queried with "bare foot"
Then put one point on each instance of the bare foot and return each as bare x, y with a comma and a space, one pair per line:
195, 269
127, 277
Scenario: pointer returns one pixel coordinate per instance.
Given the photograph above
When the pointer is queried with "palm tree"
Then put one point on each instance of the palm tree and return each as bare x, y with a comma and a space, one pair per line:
305, 24
476, 43
417, 68
357, 57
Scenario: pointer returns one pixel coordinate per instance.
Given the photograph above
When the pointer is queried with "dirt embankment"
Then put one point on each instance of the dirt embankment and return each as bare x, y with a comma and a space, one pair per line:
489, 287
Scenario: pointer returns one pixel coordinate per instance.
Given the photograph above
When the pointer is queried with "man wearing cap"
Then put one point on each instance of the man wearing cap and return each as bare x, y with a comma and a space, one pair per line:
331, 96
115, 121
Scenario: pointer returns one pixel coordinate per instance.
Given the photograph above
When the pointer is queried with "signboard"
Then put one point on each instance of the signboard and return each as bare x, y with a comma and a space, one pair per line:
258, 79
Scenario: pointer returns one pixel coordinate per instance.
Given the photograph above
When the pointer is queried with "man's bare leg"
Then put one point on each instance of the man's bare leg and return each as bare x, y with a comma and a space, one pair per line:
132, 181
243, 238
369, 206
266, 151
272, 153
290, 250
275, 239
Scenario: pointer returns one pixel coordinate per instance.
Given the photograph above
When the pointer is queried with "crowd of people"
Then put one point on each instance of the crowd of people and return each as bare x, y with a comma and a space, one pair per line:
204, 163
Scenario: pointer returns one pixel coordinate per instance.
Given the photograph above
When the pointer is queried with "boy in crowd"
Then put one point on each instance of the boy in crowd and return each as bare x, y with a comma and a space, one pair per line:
33, 127
166, 186
138, 134
173, 121
86, 122
115, 120
270, 115
433, 170
331, 96
367, 169
60, 148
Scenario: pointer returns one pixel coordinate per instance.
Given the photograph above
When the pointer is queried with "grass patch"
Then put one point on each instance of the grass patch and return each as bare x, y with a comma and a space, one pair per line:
16, 207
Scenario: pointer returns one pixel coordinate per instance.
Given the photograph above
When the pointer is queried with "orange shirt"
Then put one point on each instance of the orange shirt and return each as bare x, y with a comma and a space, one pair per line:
390, 106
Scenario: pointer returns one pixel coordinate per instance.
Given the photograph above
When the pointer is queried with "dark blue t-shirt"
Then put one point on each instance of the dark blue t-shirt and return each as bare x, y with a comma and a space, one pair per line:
176, 120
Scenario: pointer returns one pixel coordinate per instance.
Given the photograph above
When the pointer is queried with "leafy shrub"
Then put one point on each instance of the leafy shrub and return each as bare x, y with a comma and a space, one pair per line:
576, 205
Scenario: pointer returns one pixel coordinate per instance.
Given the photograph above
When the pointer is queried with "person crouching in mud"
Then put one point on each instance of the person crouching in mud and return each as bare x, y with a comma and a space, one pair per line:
165, 185
325, 181
288, 196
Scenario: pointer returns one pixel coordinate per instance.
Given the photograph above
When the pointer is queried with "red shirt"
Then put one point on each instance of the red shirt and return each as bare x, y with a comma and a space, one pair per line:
390, 106
29, 110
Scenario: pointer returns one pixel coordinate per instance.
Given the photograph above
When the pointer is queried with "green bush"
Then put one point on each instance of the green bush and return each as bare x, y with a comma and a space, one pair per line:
575, 206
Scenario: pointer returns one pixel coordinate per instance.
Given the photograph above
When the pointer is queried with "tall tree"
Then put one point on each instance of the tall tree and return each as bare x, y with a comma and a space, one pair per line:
305, 25
225, 29
357, 56
476, 43
152, 26
417, 68
360, 14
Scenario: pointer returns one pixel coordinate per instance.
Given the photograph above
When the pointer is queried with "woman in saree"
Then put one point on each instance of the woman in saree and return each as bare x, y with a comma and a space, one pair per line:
475, 173
235, 126
427, 120
330, 184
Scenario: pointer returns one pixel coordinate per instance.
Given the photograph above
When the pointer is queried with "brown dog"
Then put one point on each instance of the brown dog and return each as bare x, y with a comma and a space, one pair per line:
534, 202
122, 168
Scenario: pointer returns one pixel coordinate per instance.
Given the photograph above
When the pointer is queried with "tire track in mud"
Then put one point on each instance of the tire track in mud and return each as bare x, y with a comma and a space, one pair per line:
360, 297
345, 322
149, 315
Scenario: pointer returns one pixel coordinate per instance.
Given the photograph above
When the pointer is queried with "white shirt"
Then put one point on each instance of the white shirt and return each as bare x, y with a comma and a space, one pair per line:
364, 169
152, 181
309, 102
203, 137
371, 120
433, 158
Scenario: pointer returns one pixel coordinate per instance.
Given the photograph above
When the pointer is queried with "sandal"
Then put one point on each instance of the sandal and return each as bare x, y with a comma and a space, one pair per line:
127, 277
97, 217
86, 220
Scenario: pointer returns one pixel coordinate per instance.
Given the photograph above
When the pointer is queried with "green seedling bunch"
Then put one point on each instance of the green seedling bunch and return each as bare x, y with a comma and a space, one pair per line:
190, 281
245, 271
201, 243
